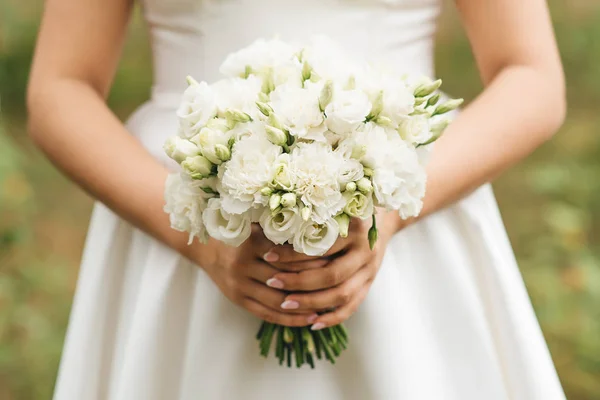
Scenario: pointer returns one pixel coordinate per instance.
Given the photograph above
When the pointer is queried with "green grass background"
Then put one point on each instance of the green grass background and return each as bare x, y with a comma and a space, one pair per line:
550, 203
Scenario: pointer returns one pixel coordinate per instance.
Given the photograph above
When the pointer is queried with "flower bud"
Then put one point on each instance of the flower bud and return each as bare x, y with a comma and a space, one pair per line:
288, 335
305, 213
275, 135
377, 106
247, 72
218, 124
264, 108
364, 185
358, 152
198, 167
326, 95
351, 84
288, 200
263, 97
433, 100
222, 152
436, 131
308, 341
343, 221
237, 116
427, 88
448, 106
372, 235
267, 82
368, 171
384, 121
179, 149
191, 81
274, 201
276, 122
208, 190
266, 191
306, 71
350, 187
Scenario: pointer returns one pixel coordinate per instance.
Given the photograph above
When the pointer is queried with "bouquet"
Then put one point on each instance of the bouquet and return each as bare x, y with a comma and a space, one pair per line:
300, 139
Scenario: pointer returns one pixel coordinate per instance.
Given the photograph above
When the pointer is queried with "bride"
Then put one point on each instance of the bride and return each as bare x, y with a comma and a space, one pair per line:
437, 311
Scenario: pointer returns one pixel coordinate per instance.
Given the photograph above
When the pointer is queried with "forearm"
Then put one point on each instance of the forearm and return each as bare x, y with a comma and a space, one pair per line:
516, 113
71, 124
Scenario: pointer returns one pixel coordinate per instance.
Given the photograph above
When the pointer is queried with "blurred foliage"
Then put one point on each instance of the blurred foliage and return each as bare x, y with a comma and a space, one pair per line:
550, 203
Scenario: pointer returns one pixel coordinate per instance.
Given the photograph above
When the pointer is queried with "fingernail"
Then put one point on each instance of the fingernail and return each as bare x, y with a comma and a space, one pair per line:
290, 305
275, 283
312, 318
317, 326
271, 257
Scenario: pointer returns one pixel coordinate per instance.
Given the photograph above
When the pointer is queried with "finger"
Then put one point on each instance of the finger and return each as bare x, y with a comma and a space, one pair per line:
341, 314
277, 317
258, 242
330, 298
261, 272
333, 274
302, 265
265, 295
285, 254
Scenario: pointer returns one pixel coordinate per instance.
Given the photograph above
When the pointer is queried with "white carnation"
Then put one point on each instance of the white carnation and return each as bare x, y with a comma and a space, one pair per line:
249, 170
238, 94
261, 55
280, 226
316, 169
299, 109
185, 202
347, 110
231, 229
197, 107
316, 239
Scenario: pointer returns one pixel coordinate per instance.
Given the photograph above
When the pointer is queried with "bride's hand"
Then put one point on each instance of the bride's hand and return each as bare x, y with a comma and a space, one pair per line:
240, 273
342, 283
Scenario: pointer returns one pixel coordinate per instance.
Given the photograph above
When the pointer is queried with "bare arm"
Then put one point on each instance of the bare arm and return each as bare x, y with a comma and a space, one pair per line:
521, 107
75, 60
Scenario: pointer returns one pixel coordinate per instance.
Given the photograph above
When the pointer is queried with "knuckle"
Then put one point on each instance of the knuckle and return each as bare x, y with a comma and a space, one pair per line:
344, 296
332, 277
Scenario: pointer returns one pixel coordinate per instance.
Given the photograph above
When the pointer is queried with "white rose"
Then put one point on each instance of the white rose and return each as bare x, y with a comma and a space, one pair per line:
184, 202
179, 149
299, 109
315, 239
348, 109
281, 226
358, 204
197, 107
415, 129
258, 56
238, 94
248, 171
231, 229
316, 169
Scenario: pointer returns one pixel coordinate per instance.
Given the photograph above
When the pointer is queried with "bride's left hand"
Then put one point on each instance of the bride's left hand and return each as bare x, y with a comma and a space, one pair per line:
343, 283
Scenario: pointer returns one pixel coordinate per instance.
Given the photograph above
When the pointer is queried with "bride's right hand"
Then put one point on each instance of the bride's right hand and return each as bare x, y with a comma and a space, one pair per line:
241, 273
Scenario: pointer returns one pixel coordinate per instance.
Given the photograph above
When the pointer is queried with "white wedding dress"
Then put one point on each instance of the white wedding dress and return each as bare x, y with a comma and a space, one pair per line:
447, 318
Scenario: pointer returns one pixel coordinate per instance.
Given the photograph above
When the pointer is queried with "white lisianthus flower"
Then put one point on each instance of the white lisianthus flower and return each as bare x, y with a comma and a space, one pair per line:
207, 140
258, 57
415, 129
238, 94
197, 107
347, 110
184, 202
248, 171
351, 170
358, 204
316, 169
316, 239
283, 178
179, 149
299, 110
280, 226
231, 229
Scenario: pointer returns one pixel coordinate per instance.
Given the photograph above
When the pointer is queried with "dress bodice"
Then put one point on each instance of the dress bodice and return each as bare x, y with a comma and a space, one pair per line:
192, 37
